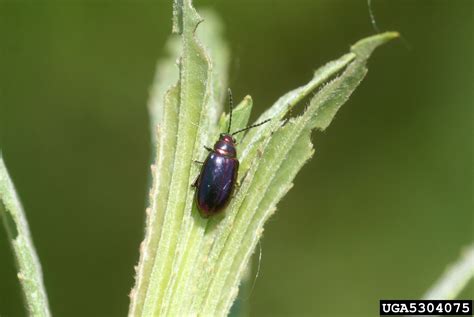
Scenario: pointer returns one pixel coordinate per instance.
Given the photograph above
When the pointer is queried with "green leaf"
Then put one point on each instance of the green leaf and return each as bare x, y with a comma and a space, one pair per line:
29, 267
273, 167
191, 265
185, 120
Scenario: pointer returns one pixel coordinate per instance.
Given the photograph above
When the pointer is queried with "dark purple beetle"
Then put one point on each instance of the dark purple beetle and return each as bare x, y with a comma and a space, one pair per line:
216, 181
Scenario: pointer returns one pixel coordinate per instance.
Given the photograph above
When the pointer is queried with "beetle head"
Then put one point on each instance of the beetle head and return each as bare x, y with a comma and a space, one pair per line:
226, 145
228, 138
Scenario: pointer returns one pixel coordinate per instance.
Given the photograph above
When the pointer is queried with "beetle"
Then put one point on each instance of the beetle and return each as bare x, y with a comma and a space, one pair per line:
216, 181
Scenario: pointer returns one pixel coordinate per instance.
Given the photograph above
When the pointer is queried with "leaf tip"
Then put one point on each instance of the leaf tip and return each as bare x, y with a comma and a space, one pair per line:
364, 48
247, 99
182, 10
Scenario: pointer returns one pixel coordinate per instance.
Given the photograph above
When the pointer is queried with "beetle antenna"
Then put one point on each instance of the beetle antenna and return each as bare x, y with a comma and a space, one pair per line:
231, 106
250, 127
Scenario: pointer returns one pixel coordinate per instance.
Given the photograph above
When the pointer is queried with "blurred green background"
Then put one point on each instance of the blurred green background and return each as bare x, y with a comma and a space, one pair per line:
379, 212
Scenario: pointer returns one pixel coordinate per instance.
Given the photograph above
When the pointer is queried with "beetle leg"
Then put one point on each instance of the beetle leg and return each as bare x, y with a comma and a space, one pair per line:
287, 117
243, 178
208, 148
236, 190
238, 183
195, 184
198, 162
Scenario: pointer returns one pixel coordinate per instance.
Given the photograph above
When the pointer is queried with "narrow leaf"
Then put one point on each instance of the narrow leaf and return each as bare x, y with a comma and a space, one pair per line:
455, 278
185, 118
273, 166
29, 267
